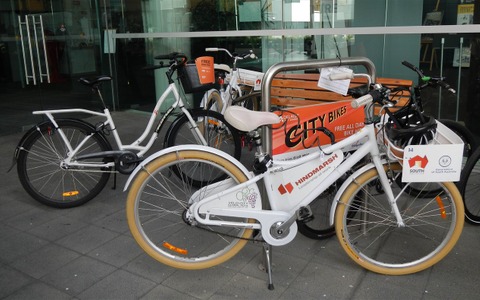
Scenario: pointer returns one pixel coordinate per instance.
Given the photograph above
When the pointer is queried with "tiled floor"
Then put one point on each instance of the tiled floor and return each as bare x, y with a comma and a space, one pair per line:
88, 253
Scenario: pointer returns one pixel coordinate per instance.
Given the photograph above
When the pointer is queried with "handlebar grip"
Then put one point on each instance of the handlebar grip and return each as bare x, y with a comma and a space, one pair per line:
340, 76
211, 49
362, 101
446, 86
409, 65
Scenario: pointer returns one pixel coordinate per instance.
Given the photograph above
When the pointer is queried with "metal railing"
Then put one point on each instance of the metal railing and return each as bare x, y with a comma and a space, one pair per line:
304, 65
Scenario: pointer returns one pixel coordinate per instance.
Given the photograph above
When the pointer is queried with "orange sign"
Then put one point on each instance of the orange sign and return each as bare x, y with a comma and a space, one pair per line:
206, 72
301, 126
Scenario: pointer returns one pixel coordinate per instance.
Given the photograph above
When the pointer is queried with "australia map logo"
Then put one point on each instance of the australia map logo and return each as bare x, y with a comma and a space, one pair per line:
417, 164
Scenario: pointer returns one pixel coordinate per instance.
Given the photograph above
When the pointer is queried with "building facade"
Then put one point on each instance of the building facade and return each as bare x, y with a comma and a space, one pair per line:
47, 45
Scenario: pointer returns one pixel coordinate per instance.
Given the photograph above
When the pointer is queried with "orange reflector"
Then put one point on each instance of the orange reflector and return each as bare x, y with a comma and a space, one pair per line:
212, 122
70, 194
175, 249
443, 213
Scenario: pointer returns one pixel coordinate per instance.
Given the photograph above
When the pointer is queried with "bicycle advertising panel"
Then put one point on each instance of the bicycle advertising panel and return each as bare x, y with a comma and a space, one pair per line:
305, 128
439, 161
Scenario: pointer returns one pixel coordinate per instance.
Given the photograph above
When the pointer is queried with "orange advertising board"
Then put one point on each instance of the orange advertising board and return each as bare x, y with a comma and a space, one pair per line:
206, 72
300, 126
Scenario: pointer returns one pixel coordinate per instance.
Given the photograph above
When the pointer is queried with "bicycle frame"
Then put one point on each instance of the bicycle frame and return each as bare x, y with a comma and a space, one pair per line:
226, 94
282, 211
136, 145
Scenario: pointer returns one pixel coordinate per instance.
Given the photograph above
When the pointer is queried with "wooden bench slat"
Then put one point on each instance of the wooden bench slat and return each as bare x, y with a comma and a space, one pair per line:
302, 89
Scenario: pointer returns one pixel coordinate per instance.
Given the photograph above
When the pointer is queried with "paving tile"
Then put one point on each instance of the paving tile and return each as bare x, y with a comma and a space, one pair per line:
92, 211
317, 279
18, 245
163, 292
44, 260
377, 286
87, 239
12, 205
242, 286
117, 251
119, 285
115, 222
201, 284
32, 218
145, 266
285, 270
57, 228
78, 275
38, 290
12, 280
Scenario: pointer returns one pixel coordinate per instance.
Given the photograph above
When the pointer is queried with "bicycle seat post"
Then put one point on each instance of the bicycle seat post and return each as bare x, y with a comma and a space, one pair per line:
96, 88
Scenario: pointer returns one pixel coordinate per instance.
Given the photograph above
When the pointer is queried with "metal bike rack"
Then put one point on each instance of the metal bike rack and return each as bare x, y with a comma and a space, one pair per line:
267, 131
304, 65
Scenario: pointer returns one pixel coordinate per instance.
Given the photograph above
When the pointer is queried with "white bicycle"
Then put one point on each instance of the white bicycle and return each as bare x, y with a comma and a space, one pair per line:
65, 162
234, 82
380, 224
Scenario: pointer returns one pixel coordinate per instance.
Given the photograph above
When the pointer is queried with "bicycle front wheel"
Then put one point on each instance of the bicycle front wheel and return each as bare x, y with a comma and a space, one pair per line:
470, 187
369, 233
157, 206
212, 125
40, 169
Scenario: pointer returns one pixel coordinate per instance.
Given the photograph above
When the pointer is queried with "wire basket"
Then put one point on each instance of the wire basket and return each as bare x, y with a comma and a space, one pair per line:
443, 135
190, 79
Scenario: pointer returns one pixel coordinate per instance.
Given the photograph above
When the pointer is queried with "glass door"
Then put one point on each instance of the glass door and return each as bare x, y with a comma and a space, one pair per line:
45, 47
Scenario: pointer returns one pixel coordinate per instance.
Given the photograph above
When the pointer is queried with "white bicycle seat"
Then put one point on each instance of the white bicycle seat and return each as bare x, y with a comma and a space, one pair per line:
222, 67
247, 120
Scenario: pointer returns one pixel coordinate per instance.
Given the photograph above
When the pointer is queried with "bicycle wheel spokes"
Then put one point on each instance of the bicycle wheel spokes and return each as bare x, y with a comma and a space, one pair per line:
369, 231
213, 128
47, 179
157, 213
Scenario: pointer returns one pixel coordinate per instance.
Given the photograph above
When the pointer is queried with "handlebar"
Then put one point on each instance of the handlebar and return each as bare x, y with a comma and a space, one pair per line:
341, 76
176, 59
250, 53
431, 81
371, 97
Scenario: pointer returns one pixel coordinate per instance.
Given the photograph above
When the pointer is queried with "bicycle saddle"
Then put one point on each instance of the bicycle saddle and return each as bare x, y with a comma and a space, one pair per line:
222, 67
247, 120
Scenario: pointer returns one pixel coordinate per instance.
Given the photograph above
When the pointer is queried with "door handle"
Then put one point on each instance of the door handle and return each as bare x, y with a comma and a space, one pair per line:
34, 56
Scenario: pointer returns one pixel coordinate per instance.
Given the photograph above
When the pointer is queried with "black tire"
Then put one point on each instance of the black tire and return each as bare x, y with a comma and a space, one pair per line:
218, 133
470, 187
39, 164
465, 134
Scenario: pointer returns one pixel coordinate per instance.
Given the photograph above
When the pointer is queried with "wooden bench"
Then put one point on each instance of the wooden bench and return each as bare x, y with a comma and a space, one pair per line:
289, 90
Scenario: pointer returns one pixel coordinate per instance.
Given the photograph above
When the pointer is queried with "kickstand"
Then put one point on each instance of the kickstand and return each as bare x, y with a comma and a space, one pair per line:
114, 181
268, 263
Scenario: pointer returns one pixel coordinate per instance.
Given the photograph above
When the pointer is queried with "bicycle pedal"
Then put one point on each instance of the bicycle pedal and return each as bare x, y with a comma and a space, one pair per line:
304, 214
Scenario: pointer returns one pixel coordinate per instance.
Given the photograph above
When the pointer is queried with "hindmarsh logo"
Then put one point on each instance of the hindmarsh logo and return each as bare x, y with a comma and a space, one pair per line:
283, 189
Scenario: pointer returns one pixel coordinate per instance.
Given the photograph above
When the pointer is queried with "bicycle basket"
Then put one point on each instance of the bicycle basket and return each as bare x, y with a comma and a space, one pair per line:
190, 78
407, 126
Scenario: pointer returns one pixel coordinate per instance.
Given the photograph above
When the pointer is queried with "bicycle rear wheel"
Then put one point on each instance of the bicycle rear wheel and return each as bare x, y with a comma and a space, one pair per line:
470, 187
252, 101
42, 175
216, 131
372, 238
157, 205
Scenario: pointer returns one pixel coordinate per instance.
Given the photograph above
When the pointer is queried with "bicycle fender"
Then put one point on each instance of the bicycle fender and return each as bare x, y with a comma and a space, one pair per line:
174, 122
344, 186
177, 119
19, 146
186, 147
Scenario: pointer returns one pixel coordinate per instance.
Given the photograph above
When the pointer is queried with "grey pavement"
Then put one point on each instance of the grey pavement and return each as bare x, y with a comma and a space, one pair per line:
88, 253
